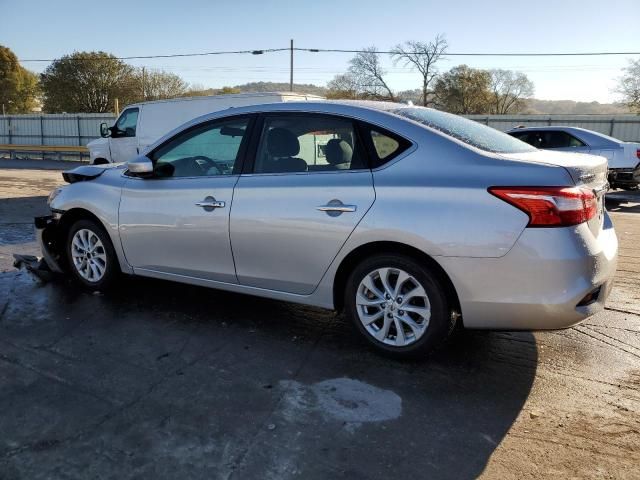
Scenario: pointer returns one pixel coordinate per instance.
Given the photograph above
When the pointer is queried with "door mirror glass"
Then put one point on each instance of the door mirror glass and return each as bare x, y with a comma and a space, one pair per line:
104, 130
140, 165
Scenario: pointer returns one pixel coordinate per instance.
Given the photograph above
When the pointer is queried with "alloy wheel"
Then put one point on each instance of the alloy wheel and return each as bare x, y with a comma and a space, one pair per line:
88, 255
393, 306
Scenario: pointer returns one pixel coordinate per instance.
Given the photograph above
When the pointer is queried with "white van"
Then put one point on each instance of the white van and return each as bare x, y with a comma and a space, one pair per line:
141, 124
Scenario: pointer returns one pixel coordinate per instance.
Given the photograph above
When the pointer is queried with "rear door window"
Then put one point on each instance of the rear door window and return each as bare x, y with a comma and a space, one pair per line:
560, 139
295, 143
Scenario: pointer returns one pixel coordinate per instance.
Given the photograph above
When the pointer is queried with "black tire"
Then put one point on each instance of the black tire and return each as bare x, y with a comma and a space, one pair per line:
100, 161
112, 268
441, 323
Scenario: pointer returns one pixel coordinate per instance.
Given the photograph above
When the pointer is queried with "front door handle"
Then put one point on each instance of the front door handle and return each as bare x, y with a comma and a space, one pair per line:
335, 207
210, 204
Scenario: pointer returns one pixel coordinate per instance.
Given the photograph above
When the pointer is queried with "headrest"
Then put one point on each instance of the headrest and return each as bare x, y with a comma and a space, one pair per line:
282, 143
338, 151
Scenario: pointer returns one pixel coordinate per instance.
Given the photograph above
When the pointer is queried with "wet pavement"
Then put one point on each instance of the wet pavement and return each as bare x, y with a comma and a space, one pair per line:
162, 380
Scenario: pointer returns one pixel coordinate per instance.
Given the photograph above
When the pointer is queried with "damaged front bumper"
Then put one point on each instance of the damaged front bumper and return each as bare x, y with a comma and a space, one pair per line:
48, 237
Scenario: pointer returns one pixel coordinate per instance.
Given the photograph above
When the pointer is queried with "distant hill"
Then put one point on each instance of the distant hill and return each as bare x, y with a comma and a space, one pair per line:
569, 107
263, 87
281, 87
533, 105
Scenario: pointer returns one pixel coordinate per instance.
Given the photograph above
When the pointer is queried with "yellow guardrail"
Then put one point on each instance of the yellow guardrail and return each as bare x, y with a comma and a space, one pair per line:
43, 148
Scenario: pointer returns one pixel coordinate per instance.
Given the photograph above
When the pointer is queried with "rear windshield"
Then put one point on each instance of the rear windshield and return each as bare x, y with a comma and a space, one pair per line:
467, 131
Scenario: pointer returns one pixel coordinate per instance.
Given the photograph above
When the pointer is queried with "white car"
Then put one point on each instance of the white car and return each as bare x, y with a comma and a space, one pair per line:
623, 157
141, 124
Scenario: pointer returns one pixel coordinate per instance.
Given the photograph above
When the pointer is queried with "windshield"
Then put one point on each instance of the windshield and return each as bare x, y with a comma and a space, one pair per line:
467, 131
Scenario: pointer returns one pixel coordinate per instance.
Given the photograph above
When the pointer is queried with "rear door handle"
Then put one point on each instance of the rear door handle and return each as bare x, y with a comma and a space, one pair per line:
210, 203
335, 207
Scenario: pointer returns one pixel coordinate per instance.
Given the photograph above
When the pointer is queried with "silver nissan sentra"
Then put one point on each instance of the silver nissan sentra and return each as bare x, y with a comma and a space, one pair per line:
409, 219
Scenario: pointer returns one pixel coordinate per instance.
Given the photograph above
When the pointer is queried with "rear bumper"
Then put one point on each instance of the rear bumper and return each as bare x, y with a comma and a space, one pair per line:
552, 278
47, 235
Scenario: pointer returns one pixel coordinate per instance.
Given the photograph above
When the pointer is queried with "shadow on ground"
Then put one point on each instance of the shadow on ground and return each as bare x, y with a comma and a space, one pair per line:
16, 219
40, 164
161, 380
623, 201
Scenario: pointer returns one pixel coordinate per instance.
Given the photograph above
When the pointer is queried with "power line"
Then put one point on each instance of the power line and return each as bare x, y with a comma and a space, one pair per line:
172, 55
336, 50
476, 54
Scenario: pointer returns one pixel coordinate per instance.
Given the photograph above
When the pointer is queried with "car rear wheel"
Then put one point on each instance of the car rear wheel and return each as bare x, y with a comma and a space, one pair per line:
92, 259
398, 306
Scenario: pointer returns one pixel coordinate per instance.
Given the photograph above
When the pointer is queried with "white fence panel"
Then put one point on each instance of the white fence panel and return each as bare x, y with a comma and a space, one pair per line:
64, 129
79, 129
622, 127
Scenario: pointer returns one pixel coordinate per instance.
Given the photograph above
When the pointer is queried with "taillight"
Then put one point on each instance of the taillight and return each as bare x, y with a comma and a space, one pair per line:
551, 206
638, 153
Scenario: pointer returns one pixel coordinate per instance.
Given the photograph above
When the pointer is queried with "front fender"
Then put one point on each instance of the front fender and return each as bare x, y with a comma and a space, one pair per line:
99, 199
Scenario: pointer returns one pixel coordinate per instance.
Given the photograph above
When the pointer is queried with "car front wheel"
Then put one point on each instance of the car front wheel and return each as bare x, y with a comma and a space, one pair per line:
92, 259
398, 306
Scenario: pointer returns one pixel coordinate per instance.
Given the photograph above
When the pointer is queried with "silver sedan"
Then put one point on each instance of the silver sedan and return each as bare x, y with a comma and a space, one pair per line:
411, 220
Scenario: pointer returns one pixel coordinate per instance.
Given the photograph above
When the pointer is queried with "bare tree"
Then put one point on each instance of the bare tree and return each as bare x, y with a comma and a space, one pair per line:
158, 84
508, 91
629, 85
342, 86
368, 75
422, 56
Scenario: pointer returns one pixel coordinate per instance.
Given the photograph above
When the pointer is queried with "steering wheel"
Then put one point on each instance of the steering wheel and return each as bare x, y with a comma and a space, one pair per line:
209, 162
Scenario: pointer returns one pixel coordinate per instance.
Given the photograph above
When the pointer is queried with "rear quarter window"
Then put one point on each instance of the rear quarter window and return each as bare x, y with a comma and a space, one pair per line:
467, 131
384, 145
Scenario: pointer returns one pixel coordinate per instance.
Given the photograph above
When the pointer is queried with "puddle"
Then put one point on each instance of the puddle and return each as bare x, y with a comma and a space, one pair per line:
341, 399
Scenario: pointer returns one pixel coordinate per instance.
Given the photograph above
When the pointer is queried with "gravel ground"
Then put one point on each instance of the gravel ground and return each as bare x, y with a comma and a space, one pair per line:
160, 380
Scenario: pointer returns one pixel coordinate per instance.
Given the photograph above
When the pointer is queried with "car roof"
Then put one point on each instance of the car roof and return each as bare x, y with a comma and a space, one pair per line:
376, 113
256, 95
354, 108
589, 137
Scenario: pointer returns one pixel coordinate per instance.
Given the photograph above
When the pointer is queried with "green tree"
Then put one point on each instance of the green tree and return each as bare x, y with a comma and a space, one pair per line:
629, 85
464, 90
19, 87
87, 82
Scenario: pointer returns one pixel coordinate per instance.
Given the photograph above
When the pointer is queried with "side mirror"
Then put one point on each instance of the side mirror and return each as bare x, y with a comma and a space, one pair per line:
104, 130
140, 165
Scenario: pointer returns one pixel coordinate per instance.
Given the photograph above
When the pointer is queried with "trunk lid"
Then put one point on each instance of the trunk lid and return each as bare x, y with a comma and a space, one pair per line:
586, 170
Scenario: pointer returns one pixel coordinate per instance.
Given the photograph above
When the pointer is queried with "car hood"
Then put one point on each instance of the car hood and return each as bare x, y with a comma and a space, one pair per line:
96, 142
89, 172
584, 169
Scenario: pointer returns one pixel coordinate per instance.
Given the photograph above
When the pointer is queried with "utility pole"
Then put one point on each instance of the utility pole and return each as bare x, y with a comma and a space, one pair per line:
291, 68
143, 85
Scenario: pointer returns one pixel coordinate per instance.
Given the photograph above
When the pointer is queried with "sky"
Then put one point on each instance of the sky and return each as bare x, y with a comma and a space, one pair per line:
37, 29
